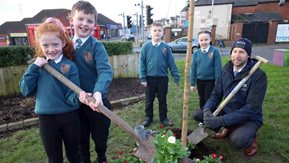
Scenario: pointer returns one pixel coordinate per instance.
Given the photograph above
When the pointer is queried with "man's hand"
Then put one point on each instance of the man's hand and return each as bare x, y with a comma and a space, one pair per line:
144, 84
212, 121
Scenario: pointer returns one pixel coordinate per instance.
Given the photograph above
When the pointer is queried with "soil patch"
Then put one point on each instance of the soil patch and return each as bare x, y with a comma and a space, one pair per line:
17, 108
199, 150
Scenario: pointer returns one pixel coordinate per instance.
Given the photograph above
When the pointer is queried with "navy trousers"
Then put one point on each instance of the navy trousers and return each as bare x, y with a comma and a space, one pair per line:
157, 86
58, 128
97, 125
243, 133
205, 88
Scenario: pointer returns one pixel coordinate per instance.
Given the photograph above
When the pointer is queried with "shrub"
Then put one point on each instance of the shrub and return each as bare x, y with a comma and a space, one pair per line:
15, 55
117, 48
19, 55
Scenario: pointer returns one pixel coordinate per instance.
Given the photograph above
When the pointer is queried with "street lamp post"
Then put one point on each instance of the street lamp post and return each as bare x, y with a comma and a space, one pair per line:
141, 19
137, 29
123, 27
142, 26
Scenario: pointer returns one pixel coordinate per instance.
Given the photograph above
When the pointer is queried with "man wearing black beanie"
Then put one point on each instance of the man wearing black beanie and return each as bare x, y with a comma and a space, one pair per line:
242, 116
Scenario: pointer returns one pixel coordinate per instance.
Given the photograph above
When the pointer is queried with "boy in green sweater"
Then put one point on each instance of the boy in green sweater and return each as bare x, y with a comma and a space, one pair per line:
95, 74
155, 60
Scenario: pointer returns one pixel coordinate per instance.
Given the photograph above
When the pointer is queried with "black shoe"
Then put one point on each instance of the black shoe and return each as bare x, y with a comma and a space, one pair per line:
147, 121
167, 122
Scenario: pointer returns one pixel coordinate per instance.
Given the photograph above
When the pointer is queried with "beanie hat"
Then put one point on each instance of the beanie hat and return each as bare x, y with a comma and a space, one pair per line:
243, 43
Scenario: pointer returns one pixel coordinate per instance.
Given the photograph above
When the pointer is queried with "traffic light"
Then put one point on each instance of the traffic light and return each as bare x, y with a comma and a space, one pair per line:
128, 21
149, 15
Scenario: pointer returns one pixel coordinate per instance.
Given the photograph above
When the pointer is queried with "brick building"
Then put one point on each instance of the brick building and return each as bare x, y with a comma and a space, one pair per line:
22, 32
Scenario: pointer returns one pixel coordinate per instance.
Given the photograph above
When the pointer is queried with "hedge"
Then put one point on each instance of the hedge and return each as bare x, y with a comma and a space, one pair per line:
19, 55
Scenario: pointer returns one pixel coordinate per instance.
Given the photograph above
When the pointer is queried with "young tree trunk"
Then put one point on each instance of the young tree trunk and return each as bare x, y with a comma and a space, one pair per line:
186, 78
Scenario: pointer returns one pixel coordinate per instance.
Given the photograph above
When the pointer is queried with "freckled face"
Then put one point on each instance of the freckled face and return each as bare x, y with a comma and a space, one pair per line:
51, 45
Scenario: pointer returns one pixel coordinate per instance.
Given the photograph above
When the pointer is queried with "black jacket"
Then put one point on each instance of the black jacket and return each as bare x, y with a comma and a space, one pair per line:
246, 105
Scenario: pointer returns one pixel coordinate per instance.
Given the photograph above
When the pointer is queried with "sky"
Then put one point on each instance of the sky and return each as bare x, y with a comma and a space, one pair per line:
16, 10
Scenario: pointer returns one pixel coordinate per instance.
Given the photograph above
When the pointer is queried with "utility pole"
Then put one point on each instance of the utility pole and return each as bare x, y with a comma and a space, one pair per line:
137, 29
141, 20
123, 23
142, 25
123, 17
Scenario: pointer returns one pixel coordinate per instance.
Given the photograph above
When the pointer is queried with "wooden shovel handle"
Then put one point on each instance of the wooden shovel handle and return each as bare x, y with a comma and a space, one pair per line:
240, 84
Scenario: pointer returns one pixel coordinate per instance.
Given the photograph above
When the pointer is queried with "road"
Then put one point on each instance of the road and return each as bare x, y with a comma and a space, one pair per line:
265, 51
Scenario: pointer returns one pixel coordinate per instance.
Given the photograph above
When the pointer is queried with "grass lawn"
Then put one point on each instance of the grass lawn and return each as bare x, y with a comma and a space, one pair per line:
273, 137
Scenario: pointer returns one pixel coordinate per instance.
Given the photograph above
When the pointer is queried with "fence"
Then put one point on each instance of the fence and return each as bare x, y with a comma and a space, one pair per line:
124, 66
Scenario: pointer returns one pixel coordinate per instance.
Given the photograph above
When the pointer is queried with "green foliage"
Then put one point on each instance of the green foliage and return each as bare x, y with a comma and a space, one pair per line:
15, 55
117, 48
19, 55
169, 149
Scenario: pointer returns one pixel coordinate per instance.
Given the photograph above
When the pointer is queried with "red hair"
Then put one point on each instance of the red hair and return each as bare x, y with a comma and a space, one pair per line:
54, 25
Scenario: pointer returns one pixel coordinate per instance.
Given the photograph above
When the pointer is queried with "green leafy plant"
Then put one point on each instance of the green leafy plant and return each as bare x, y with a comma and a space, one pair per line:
169, 149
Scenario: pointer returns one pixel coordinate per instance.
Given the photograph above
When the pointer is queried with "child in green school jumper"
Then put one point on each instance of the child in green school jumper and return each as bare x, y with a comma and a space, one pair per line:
155, 60
56, 105
96, 75
206, 66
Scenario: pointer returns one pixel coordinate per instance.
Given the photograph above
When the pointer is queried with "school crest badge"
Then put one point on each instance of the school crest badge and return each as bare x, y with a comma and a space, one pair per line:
87, 56
164, 50
210, 55
64, 68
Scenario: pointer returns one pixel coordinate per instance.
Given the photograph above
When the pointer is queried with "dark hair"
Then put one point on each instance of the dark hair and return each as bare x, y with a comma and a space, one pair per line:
205, 32
54, 25
84, 6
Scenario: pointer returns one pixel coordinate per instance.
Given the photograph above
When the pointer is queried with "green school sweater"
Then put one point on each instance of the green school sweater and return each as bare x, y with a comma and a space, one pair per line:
94, 68
156, 61
205, 66
52, 97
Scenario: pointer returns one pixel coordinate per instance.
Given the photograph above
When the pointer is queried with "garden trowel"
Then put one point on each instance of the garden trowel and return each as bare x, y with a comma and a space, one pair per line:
146, 149
200, 134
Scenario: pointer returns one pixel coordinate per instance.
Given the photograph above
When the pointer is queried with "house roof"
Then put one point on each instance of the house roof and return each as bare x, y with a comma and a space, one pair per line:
103, 20
19, 26
256, 17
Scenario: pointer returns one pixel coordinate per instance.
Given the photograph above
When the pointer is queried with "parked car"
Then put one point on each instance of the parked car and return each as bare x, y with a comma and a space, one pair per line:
180, 44
127, 37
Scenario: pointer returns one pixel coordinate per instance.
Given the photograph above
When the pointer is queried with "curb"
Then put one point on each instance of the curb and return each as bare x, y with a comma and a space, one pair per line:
34, 121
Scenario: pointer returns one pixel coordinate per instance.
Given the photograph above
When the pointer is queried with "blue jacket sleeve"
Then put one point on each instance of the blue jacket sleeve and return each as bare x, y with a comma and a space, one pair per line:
103, 68
172, 66
142, 64
28, 82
